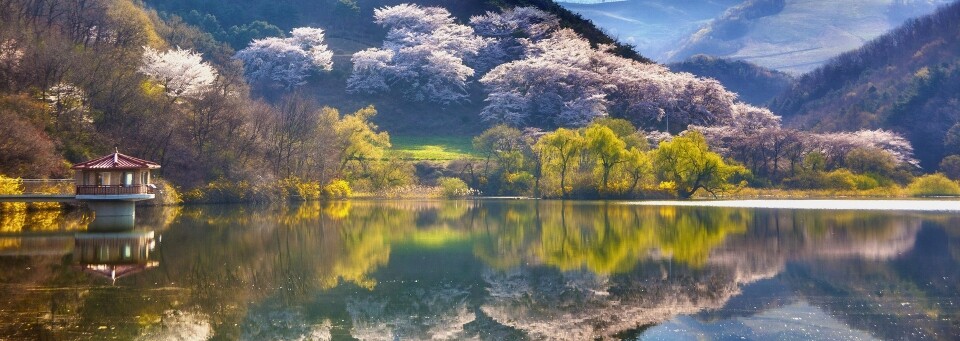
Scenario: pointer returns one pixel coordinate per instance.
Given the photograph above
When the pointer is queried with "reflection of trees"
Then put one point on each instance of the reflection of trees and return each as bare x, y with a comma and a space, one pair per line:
43, 221
581, 269
605, 238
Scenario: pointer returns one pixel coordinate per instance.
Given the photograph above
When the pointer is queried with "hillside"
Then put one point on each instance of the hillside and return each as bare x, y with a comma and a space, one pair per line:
349, 28
907, 80
755, 84
652, 26
797, 36
346, 22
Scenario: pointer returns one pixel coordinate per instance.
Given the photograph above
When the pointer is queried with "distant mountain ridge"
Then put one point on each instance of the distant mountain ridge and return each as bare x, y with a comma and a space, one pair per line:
787, 35
652, 26
907, 80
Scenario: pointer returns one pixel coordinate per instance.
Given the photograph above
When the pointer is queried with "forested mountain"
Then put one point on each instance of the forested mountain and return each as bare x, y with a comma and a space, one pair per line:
652, 26
755, 84
792, 35
907, 80
787, 35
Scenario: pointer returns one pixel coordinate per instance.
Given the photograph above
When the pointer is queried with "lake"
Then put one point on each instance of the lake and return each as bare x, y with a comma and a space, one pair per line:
487, 269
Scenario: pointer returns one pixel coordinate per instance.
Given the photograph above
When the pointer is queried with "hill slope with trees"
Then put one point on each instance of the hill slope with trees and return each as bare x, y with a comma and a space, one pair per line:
755, 84
907, 80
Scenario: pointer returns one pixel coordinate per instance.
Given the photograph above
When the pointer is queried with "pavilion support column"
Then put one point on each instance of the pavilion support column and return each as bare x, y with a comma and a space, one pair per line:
112, 214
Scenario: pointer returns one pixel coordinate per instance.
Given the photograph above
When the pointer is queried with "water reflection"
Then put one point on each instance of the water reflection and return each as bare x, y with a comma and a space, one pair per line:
114, 254
494, 270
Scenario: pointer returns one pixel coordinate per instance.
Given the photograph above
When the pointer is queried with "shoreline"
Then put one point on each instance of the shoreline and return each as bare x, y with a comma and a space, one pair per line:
921, 205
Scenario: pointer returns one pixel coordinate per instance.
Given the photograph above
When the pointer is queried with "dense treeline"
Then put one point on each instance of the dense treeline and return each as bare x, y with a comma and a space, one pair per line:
906, 80
610, 158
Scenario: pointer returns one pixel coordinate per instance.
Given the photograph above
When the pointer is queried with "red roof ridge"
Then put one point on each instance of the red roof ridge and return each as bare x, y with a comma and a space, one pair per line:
116, 160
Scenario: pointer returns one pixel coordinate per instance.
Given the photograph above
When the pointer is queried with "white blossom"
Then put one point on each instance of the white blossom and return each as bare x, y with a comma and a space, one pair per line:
10, 56
288, 61
423, 55
182, 73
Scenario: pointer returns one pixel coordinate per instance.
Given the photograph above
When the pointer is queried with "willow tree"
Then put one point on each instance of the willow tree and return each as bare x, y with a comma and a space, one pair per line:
359, 137
688, 162
561, 149
609, 150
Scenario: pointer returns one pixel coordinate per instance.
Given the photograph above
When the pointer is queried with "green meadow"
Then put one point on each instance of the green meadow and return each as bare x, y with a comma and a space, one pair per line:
434, 148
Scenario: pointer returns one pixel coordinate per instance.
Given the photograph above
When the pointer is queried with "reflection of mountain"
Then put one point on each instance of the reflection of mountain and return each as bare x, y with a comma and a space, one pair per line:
913, 296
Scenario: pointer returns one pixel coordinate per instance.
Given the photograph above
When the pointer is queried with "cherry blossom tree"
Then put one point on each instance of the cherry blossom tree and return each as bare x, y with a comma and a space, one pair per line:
182, 73
287, 61
554, 86
424, 54
10, 58
563, 81
510, 31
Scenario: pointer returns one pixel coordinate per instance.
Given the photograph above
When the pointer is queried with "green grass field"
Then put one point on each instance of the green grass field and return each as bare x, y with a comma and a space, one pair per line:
433, 148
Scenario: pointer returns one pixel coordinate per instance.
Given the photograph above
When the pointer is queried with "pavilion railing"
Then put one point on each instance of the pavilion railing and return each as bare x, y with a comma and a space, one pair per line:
113, 189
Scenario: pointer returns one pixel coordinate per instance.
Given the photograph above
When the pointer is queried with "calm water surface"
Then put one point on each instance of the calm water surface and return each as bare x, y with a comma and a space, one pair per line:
490, 270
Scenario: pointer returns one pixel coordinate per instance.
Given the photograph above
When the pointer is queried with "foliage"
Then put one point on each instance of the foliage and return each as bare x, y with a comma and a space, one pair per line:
337, 189
454, 188
222, 191
301, 190
382, 175
287, 61
688, 162
933, 185
10, 186
26, 150
950, 167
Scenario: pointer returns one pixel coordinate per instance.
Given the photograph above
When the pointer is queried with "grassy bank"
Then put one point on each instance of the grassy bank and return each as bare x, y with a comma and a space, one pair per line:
432, 148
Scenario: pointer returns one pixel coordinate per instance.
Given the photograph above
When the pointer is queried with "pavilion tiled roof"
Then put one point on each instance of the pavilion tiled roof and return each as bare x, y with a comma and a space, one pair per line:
116, 161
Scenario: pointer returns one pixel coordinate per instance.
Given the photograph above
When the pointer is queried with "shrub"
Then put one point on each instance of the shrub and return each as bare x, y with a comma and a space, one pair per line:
220, 191
11, 186
933, 185
165, 194
839, 179
454, 188
865, 182
296, 189
337, 189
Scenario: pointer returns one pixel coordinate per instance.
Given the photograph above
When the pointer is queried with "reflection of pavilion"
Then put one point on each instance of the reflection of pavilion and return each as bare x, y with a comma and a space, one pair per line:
114, 255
